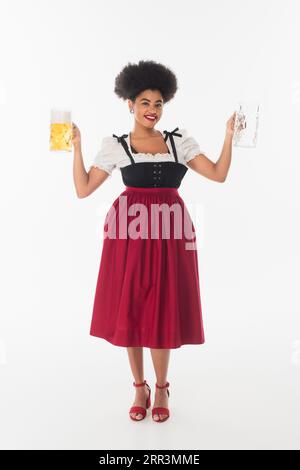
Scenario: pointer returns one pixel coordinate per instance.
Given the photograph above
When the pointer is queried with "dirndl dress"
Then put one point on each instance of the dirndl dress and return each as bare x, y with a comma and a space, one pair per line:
148, 289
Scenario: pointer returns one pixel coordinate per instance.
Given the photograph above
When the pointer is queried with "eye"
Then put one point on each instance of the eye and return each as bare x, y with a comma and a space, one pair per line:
159, 104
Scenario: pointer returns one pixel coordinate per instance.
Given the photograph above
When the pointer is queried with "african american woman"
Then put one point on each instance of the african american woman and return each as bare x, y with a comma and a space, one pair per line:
148, 290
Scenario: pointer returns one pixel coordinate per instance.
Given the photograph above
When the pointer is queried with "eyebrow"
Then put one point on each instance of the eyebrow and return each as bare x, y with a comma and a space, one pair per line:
146, 99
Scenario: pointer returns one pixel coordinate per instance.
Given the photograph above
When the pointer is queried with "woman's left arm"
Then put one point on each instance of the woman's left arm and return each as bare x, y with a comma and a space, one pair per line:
216, 171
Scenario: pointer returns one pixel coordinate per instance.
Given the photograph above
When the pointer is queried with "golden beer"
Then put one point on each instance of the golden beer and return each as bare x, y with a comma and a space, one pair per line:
60, 130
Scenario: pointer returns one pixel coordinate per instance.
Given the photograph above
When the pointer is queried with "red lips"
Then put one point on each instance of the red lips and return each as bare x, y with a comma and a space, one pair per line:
147, 116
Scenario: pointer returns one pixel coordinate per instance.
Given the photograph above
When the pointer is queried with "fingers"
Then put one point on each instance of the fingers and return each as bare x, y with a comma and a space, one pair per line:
74, 127
75, 133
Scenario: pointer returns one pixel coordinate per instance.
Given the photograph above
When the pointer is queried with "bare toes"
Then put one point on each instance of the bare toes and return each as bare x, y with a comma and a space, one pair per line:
134, 415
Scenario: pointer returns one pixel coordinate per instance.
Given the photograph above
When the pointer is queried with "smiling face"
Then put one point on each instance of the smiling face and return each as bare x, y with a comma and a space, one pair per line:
148, 103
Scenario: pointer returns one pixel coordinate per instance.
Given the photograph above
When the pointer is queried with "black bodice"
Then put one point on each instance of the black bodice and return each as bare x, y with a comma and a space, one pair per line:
153, 174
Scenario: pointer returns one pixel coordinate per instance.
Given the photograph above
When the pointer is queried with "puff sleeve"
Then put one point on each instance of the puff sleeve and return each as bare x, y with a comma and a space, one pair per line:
190, 146
106, 157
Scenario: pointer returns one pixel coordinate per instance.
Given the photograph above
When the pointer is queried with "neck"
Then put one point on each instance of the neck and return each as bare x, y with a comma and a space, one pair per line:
142, 132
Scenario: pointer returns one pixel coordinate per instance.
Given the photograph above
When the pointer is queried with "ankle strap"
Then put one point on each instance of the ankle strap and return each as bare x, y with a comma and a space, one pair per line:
163, 386
140, 384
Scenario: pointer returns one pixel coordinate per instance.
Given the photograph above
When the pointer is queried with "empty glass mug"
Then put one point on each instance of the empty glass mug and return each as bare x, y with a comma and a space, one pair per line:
246, 124
60, 130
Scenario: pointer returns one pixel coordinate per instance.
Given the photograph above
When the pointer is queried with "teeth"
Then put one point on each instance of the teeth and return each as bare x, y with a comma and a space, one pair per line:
150, 117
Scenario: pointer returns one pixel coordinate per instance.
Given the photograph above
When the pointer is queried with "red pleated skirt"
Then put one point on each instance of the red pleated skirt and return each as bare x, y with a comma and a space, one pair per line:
148, 291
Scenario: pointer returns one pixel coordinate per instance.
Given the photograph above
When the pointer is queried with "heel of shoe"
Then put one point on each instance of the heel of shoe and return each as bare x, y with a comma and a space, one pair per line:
167, 385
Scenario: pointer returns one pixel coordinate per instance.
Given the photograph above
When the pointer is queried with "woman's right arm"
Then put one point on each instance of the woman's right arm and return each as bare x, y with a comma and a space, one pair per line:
85, 182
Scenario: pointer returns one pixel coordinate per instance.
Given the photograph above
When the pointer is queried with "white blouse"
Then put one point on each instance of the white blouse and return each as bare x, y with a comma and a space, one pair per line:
112, 154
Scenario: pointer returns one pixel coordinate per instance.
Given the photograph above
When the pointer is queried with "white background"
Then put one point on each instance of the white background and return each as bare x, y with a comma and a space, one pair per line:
64, 389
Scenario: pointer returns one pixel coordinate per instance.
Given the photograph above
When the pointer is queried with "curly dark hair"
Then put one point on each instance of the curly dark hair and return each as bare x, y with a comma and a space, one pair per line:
135, 78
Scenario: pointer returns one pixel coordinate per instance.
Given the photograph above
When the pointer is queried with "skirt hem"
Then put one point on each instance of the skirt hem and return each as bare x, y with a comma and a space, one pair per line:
144, 345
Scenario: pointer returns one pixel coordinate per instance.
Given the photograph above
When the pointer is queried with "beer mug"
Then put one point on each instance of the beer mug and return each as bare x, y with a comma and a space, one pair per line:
246, 124
60, 130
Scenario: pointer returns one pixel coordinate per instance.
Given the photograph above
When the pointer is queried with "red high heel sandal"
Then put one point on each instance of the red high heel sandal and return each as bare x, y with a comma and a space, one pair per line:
141, 409
160, 409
